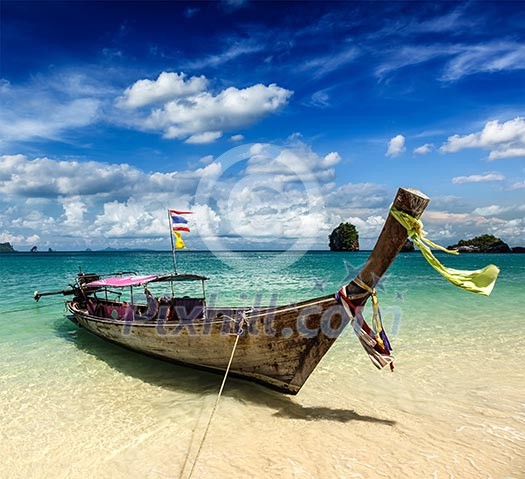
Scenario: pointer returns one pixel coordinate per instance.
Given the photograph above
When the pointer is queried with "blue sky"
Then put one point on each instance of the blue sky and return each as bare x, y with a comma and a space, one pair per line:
272, 121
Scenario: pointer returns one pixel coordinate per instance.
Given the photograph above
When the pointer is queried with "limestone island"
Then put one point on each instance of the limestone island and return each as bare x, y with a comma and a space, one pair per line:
344, 238
482, 244
6, 248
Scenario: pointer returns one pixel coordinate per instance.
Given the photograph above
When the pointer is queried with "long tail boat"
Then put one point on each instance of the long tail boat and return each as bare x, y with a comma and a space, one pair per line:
277, 346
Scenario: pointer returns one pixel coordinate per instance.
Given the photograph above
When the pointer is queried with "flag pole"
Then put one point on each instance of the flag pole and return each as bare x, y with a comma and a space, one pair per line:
172, 245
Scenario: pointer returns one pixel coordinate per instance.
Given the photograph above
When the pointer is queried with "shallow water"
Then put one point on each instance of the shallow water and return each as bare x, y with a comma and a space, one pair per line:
74, 406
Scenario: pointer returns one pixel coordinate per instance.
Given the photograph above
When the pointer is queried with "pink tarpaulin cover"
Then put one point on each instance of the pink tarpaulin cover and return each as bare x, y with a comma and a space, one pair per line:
122, 281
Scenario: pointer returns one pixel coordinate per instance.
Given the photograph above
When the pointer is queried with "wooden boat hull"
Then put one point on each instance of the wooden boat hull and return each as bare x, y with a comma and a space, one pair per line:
278, 347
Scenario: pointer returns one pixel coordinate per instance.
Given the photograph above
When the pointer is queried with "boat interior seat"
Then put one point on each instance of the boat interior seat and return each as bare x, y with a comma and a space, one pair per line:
189, 308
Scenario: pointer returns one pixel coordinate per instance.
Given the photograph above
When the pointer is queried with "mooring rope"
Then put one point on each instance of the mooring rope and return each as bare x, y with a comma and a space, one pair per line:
218, 398
32, 308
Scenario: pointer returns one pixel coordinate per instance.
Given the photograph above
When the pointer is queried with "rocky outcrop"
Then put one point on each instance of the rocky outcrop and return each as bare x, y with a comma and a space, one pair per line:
518, 249
6, 248
344, 238
482, 244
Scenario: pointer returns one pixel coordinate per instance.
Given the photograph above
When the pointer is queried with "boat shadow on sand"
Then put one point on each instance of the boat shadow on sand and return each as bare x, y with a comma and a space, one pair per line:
179, 378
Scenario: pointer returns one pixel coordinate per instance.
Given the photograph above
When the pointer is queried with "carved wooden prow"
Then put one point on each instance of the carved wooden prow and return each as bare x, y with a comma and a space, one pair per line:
390, 241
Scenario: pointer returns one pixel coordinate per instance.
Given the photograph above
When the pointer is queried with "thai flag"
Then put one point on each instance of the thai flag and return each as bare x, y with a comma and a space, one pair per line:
178, 222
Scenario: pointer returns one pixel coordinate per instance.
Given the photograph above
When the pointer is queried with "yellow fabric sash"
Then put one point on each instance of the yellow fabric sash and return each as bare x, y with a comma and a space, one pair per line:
480, 281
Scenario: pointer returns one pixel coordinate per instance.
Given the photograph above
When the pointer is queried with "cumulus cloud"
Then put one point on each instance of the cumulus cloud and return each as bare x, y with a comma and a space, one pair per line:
74, 211
206, 160
396, 146
174, 104
361, 198
167, 86
298, 162
478, 178
7, 237
502, 140
237, 137
189, 111
125, 206
48, 178
423, 149
491, 210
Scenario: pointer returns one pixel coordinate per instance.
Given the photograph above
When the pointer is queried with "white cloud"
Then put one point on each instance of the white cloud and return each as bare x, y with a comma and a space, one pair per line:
409, 55
51, 107
7, 237
49, 121
206, 220
331, 159
478, 178
507, 153
124, 206
206, 160
518, 185
503, 140
47, 178
453, 22
491, 210
130, 218
319, 99
232, 52
396, 146
361, 198
486, 58
423, 149
368, 228
298, 162
237, 137
323, 65
453, 226
167, 86
462, 59
74, 211
205, 137
204, 116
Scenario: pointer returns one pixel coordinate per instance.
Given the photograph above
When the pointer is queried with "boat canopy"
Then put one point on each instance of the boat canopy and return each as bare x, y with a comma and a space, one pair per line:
180, 277
135, 280
122, 281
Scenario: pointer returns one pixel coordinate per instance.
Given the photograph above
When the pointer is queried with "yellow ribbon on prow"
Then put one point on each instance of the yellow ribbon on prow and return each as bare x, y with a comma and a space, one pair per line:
481, 281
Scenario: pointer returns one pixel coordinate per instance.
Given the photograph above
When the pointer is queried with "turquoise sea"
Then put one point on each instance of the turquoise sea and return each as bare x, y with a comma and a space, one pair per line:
73, 406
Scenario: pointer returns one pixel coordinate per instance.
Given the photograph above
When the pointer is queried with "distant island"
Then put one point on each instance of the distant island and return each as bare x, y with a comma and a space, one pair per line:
6, 248
344, 238
482, 244
408, 247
